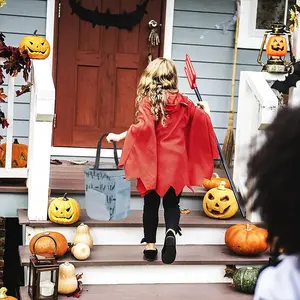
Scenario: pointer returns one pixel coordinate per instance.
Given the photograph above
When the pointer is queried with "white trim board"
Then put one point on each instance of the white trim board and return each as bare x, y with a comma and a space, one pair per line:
82, 152
168, 34
168, 37
50, 28
249, 36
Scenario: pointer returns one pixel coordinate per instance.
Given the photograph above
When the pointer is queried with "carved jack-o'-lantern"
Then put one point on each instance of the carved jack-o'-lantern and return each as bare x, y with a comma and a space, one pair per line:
37, 46
276, 46
64, 210
19, 155
220, 203
279, 39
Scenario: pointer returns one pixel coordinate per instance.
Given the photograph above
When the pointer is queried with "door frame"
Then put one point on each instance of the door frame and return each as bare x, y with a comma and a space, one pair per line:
51, 35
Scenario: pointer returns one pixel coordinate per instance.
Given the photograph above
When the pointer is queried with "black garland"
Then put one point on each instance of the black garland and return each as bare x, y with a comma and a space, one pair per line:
122, 21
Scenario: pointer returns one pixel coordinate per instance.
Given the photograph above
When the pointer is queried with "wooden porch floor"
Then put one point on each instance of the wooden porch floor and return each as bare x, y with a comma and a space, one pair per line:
69, 178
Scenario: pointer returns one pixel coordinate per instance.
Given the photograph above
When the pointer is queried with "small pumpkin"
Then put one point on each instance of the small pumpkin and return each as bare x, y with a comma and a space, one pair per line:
220, 203
3, 295
81, 251
276, 46
37, 46
19, 155
214, 182
45, 246
244, 279
64, 210
246, 239
83, 235
67, 281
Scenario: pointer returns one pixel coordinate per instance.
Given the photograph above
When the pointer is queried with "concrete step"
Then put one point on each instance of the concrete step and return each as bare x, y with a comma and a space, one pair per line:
157, 291
125, 265
197, 229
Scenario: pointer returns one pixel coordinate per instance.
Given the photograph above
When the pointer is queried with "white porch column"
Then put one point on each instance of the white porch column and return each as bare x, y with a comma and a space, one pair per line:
40, 139
257, 107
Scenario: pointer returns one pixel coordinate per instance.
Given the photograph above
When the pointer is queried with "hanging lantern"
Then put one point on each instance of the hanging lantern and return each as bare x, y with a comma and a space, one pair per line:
43, 276
276, 50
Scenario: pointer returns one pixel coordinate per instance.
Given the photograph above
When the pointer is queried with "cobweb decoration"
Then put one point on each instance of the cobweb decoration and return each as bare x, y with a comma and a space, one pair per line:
225, 25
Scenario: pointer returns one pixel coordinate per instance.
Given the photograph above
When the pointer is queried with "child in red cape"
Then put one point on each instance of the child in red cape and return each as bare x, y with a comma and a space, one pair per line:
171, 146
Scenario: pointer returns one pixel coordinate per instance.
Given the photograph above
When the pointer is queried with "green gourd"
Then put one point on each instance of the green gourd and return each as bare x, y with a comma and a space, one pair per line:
244, 279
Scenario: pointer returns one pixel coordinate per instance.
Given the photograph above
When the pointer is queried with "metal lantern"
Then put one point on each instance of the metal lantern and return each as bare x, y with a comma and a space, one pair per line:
277, 49
43, 276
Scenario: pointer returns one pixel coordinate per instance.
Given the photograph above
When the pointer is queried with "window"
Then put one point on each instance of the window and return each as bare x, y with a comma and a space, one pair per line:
256, 18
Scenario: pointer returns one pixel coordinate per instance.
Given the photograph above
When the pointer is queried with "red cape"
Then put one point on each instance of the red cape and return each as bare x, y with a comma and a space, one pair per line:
178, 155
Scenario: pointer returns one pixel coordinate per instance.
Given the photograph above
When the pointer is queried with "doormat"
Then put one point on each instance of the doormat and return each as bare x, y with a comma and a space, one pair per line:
121, 21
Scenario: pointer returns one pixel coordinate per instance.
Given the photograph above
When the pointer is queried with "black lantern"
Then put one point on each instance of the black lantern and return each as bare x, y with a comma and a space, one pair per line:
277, 49
43, 276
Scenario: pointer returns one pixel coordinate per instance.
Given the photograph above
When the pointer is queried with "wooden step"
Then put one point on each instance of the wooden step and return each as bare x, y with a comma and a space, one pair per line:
125, 265
197, 229
157, 291
194, 219
68, 178
132, 255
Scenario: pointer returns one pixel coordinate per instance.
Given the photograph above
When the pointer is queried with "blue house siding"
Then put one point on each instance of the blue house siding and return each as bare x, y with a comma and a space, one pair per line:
211, 55
17, 19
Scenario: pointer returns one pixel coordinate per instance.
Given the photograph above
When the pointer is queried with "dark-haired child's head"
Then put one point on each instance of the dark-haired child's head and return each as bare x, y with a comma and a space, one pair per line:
275, 173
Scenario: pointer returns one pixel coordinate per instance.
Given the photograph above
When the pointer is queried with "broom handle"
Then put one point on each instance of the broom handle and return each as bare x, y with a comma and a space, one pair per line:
231, 112
236, 194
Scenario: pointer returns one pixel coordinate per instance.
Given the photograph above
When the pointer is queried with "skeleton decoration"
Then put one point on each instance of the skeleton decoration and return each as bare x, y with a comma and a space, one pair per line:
153, 39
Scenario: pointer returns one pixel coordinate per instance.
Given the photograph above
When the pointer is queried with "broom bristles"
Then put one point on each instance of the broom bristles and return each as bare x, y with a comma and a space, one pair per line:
228, 147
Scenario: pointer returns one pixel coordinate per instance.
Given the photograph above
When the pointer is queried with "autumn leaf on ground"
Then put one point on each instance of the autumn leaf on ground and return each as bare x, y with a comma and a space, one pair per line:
185, 211
2, 95
24, 89
77, 292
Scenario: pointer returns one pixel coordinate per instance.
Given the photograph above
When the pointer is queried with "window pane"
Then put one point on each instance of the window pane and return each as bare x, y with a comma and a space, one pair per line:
269, 12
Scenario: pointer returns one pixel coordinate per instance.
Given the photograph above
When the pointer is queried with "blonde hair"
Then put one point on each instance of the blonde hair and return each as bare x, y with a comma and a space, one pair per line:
159, 77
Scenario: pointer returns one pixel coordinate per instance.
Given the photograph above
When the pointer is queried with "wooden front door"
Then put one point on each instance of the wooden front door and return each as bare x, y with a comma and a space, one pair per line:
97, 72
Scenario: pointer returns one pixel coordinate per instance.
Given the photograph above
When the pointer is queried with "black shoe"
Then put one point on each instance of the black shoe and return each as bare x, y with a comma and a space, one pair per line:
169, 250
150, 254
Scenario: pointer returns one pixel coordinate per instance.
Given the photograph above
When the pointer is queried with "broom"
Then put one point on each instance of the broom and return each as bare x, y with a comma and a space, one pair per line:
191, 77
228, 146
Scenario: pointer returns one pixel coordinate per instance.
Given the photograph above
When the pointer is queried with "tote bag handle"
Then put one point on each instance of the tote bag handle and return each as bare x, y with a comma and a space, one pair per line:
98, 154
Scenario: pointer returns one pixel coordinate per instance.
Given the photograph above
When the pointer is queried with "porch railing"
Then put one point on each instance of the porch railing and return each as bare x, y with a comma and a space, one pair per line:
257, 108
40, 136
8, 171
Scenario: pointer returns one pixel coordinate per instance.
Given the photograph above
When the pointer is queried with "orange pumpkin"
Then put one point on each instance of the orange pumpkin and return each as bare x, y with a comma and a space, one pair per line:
246, 239
45, 246
19, 155
3, 295
276, 46
214, 182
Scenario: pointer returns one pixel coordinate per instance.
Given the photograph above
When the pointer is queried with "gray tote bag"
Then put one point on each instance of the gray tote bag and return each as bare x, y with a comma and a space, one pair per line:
107, 192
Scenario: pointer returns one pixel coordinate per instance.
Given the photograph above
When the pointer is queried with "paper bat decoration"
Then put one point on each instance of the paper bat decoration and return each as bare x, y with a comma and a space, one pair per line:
122, 21
290, 80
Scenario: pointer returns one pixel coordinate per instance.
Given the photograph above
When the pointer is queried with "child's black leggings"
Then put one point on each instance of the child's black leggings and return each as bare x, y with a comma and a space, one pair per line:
150, 215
